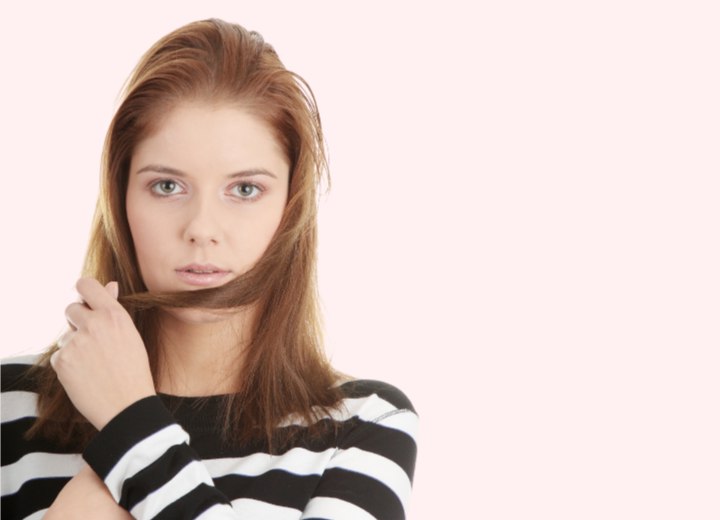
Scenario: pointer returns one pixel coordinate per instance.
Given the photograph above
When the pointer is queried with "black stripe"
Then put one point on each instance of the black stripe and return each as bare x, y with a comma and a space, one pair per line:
390, 443
137, 422
34, 495
207, 446
14, 377
367, 387
154, 476
192, 504
275, 487
14, 446
363, 491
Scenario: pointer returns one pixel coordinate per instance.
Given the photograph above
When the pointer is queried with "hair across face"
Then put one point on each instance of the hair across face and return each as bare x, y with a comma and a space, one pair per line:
206, 193
213, 63
206, 102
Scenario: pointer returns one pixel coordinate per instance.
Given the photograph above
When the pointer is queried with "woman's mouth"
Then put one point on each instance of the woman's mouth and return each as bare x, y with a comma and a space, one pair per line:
202, 275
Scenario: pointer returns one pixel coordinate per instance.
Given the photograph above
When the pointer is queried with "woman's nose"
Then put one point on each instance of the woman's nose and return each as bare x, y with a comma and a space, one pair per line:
203, 224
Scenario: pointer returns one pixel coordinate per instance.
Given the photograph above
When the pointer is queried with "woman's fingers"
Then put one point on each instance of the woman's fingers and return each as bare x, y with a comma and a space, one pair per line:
63, 340
103, 364
77, 314
113, 288
94, 294
93, 297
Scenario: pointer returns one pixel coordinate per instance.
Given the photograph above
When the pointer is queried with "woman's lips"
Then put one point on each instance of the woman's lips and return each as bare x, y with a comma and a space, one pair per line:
202, 275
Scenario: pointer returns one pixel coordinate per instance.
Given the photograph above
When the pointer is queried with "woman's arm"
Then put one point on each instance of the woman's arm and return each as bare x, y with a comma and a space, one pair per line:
141, 453
145, 460
102, 363
85, 496
144, 457
370, 475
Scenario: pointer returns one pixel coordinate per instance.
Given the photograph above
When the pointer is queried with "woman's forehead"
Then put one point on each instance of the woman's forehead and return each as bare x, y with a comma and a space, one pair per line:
200, 137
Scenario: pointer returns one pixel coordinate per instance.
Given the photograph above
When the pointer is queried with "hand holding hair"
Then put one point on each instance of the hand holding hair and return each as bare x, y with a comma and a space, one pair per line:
102, 363
214, 209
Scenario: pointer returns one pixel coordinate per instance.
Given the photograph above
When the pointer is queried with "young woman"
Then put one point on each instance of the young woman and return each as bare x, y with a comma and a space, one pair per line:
191, 382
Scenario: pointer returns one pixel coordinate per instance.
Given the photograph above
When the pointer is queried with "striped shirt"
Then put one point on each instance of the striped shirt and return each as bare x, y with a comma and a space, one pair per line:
162, 458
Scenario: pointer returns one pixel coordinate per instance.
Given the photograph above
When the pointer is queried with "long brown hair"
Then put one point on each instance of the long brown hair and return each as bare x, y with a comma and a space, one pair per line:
285, 371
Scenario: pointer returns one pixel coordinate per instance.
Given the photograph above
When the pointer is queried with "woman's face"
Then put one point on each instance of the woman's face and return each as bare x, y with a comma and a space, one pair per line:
206, 193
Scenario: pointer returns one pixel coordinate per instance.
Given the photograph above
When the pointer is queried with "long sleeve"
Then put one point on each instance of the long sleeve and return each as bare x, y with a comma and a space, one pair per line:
144, 458
370, 475
364, 471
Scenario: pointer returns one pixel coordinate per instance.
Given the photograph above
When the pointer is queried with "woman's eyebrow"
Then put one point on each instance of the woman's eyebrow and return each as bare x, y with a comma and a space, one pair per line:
174, 171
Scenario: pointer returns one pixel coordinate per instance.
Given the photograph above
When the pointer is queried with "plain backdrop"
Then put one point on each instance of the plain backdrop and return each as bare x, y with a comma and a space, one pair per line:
522, 230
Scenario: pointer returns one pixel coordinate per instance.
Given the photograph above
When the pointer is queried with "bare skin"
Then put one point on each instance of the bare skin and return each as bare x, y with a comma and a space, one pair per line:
103, 335
86, 496
185, 363
208, 187
103, 364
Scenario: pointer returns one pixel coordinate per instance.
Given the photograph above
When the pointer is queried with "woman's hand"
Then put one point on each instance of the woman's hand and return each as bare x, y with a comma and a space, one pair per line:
85, 496
102, 363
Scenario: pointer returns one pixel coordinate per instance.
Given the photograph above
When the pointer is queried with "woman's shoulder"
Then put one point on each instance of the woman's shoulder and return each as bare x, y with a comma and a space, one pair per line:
370, 400
378, 421
374, 389
14, 373
18, 411
19, 391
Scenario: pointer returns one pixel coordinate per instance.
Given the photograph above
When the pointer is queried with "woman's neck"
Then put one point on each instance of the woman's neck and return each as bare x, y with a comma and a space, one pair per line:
200, 353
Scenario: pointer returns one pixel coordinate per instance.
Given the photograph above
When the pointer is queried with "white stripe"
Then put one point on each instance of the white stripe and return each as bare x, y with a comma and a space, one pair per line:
218, 512
28, 359
142, 454
372, 407
39, 465
37, 515
404, 421
181, 484
298, 461
17, 404
368, 409
251, 508
326, 507
375, 466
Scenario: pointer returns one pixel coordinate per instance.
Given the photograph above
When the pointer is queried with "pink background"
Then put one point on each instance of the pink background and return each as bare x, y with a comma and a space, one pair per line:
522, 232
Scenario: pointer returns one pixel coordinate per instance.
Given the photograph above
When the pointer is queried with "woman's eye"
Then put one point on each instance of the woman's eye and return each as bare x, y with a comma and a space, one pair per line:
247, 191
166, 187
